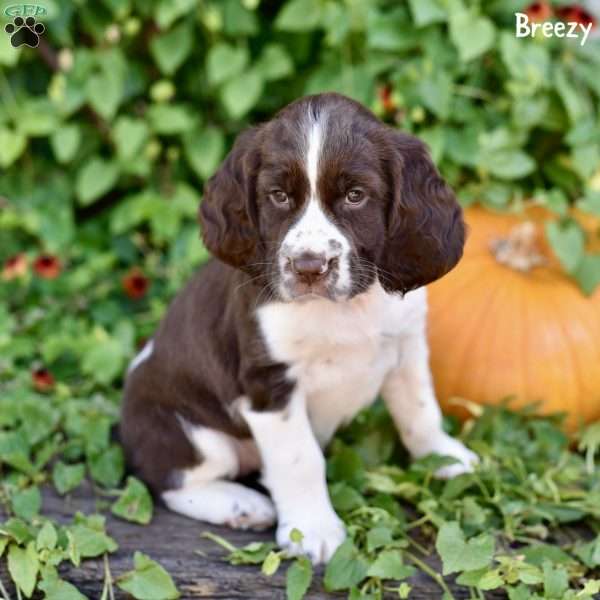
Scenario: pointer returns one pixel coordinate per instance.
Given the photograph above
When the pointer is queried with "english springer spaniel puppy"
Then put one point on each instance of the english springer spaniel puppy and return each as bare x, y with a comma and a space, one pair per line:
325, 225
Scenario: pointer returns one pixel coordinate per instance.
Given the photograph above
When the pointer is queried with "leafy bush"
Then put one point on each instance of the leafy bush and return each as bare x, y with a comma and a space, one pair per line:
108, 131
129, 106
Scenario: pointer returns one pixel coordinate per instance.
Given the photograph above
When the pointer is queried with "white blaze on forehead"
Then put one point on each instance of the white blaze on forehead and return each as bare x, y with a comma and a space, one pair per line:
313, 153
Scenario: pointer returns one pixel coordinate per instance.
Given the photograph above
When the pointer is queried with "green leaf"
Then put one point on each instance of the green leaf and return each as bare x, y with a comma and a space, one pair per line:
568, 242
104, 360
26, 503
389, 565
129, 136
67, 477
224, 62
135, 503
23, 566
274, 63
58, 589
346, 568
9, 55
95, 178
556, 580
347, 465
586, 159
378, 537
254, 553
170, 119
344, 497
148, 580
426, 12
18, 530
12, 144
89, 537
204, 150
590, 203
296, 536
391, 31
298, 578
436, 93
169, 11
539, 553
587, 273
458, 554
463, 146
241, 94
108, 467
47, 537
472, 35
238, 19
170, 49
104, 92
484, 579
508, 163
528, 112
299, 15
527, 62
38, 117
271, 564
573, 101
65, 142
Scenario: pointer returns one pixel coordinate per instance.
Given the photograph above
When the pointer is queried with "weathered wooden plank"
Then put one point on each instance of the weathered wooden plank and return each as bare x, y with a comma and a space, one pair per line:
195, 563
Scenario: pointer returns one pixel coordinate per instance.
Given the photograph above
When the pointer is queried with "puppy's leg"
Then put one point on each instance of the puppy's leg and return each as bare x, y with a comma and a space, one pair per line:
409, 395
206, 496
294, 473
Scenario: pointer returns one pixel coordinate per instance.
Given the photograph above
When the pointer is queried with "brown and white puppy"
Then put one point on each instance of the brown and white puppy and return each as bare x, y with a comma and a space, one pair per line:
325, 225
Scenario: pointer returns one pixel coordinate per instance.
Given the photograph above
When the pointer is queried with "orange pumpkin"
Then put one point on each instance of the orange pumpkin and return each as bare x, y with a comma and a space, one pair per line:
507, 321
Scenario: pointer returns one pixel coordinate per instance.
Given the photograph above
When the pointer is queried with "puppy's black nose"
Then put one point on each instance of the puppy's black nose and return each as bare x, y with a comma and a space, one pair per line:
310, 267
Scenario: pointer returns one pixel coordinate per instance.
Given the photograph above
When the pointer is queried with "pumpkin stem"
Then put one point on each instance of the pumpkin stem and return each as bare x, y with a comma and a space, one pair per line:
519, 249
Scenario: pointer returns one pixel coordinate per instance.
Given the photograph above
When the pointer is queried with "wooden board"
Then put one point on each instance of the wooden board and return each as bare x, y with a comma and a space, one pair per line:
195, 563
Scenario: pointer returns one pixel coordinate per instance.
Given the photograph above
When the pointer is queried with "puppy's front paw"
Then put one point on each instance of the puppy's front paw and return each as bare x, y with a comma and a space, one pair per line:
321, 536
448, 446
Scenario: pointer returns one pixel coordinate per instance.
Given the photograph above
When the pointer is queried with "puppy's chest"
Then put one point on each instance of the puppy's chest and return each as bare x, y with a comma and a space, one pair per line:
341, 380
338, 360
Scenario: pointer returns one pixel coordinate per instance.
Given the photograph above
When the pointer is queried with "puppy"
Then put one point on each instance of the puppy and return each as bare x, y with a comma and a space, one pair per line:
325, 225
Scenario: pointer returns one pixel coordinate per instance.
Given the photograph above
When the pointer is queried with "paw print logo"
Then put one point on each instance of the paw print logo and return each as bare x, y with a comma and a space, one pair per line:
24, 32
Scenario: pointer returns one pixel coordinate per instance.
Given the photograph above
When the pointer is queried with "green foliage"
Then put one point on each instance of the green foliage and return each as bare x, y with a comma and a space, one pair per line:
489, 527
148, 580
136, 99
134, 503
36, 549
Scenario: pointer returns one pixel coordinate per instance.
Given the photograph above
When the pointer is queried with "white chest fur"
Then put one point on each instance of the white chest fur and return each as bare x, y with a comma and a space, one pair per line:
340, 352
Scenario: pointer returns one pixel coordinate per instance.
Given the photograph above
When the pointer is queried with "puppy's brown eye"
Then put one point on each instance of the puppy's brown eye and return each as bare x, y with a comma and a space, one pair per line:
279, 198
355, 197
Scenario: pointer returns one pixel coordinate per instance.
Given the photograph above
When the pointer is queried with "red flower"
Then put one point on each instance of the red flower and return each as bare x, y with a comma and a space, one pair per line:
136, 284
15, 266
42, 380
47, 266
539, 11
576, 13
385, 96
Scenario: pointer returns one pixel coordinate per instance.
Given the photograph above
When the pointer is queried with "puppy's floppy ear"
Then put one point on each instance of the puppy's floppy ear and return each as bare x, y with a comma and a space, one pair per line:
228, 215
425, 229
